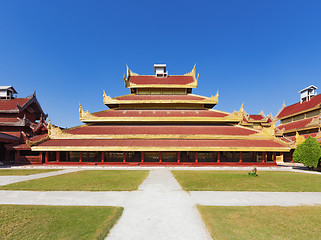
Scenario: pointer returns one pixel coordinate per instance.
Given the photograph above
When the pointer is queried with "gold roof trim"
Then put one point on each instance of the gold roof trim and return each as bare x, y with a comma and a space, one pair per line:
129, 73
298, 139
55, 132
108, 99
268, 132
174, 148
64, 135
84, 114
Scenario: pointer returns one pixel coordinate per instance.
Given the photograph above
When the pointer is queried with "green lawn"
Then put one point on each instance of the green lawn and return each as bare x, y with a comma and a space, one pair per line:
91, 180
282, 223
267, 181
24, 172
56, 222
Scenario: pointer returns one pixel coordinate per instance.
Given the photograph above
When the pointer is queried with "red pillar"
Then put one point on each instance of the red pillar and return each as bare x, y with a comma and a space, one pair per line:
274, 157
124, 157
263, 157
178, 154
102, 156
142, 156
218, 156
80, 157
107, 156
240, 160
47, 157
67, 156
41, 156
160, 157
58, 156
196, 157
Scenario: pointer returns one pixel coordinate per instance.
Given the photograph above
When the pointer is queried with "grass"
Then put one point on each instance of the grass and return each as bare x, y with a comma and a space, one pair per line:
56, 222
267, 181
295, 223
91, 180
24, 172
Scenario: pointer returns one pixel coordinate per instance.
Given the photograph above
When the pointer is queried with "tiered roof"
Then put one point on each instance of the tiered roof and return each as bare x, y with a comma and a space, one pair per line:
161, 122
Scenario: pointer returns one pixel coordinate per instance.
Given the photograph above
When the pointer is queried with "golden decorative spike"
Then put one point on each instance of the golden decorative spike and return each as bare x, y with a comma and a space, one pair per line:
298, 139
215, 98
107, 99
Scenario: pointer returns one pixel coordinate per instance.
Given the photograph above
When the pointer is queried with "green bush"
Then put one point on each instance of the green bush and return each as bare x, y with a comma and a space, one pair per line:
308, 153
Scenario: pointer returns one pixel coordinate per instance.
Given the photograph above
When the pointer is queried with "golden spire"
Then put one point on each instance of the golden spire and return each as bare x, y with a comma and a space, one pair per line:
215, 98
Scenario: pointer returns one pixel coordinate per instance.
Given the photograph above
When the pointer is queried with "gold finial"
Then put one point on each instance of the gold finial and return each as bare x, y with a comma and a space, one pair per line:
242, 108
283, 105
215, 98
298, 139
107, 99
192, 73
81, 111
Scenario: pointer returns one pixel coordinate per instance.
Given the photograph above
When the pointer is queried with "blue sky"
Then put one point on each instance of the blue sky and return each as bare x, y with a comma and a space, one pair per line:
257, 52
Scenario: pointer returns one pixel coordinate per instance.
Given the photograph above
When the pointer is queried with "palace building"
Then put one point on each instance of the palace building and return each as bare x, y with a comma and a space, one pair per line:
21, 119
300, 120
162, 122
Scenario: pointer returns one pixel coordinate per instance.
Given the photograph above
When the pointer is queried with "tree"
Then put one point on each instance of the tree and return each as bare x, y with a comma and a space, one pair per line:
308, 153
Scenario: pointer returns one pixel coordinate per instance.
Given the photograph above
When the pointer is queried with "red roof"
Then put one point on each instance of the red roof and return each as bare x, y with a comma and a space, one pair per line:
170, 80
257, 117
160, 113
8, 137
14, 134
161, 129
11, 104
5, 120
295, 125
160, 97
38, 137
298, 107
160, 143
304, 135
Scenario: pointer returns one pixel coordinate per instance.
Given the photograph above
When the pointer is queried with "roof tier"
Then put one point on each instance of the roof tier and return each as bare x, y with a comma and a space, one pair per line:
315, 102
313, 122
159, 145
180, 130
158, 116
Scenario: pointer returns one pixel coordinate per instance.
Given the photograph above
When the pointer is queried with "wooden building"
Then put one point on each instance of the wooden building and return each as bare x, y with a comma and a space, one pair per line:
21, 119
300, 120
161, 122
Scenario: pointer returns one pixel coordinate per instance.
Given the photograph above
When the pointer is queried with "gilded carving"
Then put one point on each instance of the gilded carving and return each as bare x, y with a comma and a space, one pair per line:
214, 98
84, 115
268, 131
107, 99
298, 139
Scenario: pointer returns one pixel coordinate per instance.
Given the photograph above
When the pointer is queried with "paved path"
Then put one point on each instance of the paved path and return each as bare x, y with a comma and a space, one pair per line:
255, 198
160, 210
4, 180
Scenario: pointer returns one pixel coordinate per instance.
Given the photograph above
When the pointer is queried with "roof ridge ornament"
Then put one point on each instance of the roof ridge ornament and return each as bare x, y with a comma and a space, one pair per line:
215, 98
83, 115
298, 139
268, 131
193, 74
129, 73
107, 99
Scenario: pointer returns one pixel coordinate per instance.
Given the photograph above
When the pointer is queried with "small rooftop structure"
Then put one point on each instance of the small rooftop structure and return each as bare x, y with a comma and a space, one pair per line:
307, 93
7, 92
160, 70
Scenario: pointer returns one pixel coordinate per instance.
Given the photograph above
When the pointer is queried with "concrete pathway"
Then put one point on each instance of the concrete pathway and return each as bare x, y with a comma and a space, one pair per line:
255, 198
160, 210
4, 180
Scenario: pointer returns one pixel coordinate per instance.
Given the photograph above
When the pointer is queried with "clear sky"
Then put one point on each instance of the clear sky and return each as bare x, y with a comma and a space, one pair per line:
257, 52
